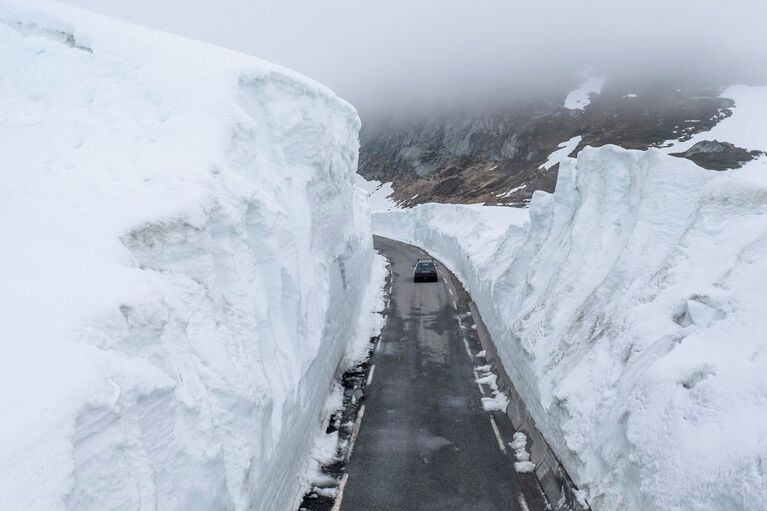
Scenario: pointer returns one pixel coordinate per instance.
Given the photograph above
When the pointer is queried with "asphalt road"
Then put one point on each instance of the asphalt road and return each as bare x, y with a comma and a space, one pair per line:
425, 442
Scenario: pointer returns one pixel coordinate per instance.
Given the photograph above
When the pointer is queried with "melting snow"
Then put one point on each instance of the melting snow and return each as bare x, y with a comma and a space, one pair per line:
744, 128
565, 148
515, 189
580, 97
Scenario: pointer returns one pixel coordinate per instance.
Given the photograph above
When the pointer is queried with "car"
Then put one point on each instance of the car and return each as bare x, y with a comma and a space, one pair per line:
425, 270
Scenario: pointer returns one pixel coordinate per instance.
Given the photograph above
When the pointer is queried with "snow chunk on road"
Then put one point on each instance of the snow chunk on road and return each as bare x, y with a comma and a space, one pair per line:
497, 402
491, 380
581, 97
184, 262
522, 457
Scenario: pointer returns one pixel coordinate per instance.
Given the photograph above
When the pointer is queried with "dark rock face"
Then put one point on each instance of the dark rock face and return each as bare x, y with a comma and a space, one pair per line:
480, 154
715, 155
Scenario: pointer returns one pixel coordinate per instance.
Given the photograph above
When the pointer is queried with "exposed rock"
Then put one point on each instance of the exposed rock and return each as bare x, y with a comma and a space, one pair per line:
487, 153
715, 155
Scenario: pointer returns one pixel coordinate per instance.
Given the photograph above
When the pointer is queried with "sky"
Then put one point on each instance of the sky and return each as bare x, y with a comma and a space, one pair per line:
377, 54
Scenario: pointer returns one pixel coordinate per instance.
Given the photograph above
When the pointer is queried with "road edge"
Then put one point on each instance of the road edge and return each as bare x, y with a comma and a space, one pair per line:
554, 479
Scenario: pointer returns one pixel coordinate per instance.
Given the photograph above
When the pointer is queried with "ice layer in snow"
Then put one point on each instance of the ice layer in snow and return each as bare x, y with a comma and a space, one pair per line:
629, 313
184, 260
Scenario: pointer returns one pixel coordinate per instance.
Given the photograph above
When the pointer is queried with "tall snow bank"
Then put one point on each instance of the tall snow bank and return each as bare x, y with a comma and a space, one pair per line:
629, 313
184, 255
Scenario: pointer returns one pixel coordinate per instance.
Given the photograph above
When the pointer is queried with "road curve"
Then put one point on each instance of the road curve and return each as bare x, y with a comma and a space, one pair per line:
425, 442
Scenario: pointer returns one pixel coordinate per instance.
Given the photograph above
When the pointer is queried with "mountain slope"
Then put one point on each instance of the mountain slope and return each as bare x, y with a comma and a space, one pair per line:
500, 153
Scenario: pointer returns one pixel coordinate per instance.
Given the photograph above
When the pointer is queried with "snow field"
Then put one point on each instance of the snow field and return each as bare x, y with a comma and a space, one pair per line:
581, 97
744, 128
378, 194
185, 261
628, 311
565, 149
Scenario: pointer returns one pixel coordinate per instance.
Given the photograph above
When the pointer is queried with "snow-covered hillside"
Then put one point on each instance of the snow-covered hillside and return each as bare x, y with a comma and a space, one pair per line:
581, 97
629, 312
184, 258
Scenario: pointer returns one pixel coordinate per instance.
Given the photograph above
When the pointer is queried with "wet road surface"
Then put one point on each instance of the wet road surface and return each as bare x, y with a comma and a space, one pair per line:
425, 442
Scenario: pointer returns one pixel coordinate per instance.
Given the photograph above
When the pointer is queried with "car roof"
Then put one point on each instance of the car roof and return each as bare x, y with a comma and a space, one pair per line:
425, 261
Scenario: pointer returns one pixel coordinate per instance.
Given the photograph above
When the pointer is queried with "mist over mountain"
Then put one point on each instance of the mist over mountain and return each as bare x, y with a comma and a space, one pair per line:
401, 56
463, 102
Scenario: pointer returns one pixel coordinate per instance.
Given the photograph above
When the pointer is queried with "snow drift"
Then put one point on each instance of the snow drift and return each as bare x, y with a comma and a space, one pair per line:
629, 312
184, 258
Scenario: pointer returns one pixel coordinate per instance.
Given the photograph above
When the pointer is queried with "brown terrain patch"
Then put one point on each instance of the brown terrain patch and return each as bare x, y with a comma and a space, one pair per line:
479, 156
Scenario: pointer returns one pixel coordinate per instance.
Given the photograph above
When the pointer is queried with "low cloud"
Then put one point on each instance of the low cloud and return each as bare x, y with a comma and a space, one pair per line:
385, 54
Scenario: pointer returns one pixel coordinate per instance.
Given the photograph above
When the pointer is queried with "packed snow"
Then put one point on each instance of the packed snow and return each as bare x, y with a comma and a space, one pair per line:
378, 194
565, 149
488, 379
519, 446
629, 313
581, 97
497, 402
744, 128
185, 262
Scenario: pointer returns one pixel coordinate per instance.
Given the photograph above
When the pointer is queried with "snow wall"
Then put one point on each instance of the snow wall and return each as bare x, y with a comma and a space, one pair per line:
184, 258
629, 312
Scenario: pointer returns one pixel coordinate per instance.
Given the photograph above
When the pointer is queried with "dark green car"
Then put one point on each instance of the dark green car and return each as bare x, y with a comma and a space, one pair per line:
425, 270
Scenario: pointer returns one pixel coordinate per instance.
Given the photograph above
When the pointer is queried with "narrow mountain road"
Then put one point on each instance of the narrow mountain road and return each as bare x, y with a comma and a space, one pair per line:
425, 442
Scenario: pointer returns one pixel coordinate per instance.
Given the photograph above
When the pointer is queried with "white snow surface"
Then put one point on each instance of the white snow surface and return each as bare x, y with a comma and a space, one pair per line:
378, 194
325, 449
185, 258
629, 313
745, 128
565, 148
581, 97
522, 457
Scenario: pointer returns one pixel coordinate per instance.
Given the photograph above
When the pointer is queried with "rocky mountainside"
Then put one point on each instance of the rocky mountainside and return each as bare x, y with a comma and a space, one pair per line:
501, 153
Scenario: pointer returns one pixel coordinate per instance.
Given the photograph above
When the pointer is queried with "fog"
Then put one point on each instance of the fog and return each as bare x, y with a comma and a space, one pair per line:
383, 55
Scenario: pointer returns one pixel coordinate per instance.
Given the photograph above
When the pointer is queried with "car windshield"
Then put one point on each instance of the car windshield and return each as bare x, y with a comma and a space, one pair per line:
426, 266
